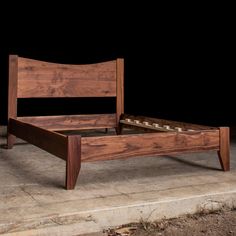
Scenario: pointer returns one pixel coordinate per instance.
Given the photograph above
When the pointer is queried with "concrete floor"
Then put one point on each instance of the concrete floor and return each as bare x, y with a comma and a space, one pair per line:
108, 193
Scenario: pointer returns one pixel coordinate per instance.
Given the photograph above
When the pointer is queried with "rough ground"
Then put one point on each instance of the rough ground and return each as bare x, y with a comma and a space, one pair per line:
207, 224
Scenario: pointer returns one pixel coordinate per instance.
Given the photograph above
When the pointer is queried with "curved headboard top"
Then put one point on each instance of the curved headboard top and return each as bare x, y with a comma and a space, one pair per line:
44, 79
38, 79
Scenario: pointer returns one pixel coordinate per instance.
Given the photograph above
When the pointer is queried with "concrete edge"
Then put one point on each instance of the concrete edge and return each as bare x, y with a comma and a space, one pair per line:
97, 220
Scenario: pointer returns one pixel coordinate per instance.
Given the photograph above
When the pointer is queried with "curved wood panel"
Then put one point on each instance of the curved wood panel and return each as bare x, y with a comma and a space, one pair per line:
44, 79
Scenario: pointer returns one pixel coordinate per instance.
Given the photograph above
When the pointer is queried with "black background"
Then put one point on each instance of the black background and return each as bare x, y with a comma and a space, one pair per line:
178, 59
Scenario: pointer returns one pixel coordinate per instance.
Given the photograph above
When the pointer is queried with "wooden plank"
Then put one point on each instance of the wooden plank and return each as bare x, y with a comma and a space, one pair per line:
44, 79
132, 124
224, 152
49, 141
120, 91
73, 162
150, 126
185, 126
72, 122
12, 94
150, 144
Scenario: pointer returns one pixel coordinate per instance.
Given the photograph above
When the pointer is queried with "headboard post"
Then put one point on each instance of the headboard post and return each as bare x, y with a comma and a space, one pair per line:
12, 86
119, 89
12, 93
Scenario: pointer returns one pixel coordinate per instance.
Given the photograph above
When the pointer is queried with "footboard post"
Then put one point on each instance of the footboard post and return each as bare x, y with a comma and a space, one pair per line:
73, 161
224, 152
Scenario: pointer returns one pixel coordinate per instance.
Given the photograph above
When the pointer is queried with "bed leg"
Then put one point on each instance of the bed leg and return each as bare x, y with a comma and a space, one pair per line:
224, 152
73, 161
119, 129
10, 140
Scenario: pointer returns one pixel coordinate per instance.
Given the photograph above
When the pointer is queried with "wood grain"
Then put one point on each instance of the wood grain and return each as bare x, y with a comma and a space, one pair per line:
149, 144
72, 122
73, 162
224, 152
12, 95
49, 141
44, 79
120, 92
30, 78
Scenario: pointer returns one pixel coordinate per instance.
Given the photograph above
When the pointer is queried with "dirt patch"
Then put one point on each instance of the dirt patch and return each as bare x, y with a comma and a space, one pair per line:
207, 224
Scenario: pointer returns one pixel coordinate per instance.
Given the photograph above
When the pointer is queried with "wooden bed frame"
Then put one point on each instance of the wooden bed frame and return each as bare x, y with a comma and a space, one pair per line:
37, 79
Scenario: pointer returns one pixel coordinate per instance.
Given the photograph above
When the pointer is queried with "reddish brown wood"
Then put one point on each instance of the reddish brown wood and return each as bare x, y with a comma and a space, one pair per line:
120, 92
29, 78
44, 79
12, 95
72, 122
149, 144
49, 141
73, 162
224, 152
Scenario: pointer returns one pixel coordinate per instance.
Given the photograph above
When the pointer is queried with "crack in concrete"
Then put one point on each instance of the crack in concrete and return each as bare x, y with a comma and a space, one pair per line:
121, 193
29, 194
56, 222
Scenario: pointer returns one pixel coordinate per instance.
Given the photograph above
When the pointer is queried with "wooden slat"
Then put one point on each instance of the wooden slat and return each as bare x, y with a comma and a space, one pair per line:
122, 146
49, 141
224, 152
172, 124
43, 79
120, 89
73, 122
143, 126
12, 94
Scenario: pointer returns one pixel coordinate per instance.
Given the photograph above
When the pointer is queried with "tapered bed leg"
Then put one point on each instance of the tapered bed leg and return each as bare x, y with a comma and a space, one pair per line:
73, 162
119, 129
10, 140
224, 152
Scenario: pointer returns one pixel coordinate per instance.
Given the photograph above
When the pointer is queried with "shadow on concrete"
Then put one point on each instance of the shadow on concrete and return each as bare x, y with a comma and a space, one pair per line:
190, 163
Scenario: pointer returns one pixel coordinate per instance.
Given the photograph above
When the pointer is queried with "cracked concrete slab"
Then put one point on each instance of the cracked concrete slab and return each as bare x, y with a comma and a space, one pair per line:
108, 193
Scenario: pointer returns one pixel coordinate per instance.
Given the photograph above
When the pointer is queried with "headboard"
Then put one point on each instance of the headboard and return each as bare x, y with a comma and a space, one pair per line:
38, 79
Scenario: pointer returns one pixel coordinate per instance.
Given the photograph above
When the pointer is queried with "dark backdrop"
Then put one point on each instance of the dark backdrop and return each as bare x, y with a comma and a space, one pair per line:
177, 66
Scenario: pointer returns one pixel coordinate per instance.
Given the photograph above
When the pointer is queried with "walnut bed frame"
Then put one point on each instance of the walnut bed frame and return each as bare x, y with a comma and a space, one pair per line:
37, 79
